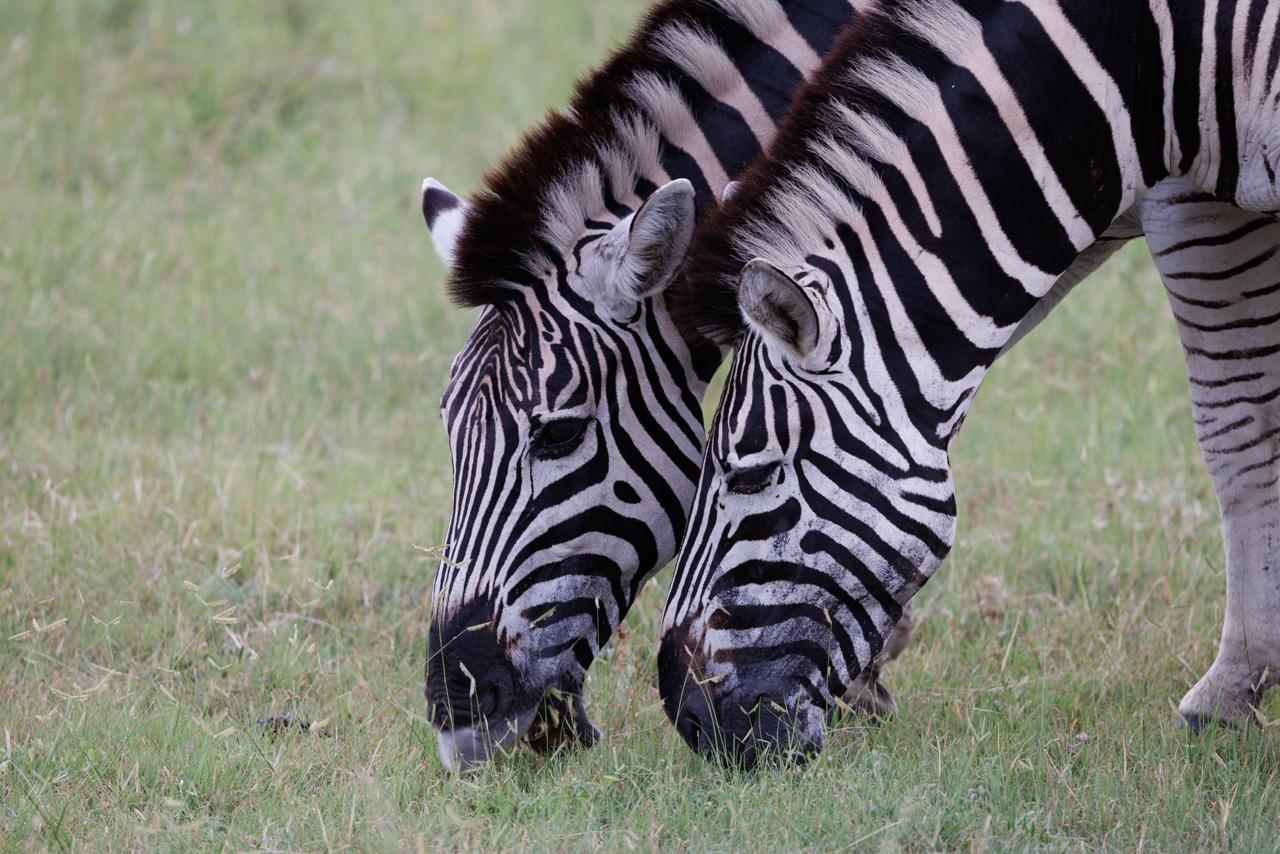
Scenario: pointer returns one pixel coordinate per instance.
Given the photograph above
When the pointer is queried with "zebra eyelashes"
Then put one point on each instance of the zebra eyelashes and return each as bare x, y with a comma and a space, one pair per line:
753, 479
558, 438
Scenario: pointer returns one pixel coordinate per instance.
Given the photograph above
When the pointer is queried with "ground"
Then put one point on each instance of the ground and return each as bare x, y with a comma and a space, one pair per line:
222, 340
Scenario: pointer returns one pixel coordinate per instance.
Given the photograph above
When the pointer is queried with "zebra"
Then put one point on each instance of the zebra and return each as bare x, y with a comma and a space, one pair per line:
951, 159
573, 411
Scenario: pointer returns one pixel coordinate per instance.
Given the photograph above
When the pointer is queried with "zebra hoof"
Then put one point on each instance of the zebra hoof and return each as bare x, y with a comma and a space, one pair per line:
1199, 724
561, 722
1224, 699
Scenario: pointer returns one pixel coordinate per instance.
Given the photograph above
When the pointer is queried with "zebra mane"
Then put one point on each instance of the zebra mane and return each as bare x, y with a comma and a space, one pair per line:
602, 147
833, 138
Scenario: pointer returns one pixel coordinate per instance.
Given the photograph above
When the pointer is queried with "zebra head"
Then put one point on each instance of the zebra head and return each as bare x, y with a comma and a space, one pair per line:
575, 428
820, 511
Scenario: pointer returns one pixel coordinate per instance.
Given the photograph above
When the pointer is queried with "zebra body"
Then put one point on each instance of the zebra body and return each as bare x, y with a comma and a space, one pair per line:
933, 185
574, 410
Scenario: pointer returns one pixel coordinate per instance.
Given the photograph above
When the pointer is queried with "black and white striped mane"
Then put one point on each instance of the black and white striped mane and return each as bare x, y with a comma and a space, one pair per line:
703, 298
580, 161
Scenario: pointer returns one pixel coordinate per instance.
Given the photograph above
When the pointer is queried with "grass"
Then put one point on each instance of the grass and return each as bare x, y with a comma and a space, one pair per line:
222, 339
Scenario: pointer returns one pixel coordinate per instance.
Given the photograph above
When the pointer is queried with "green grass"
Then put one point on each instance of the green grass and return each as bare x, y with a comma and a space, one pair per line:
222, 339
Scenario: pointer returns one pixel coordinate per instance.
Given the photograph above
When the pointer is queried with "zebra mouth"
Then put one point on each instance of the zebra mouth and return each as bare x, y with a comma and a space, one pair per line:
558, 722
484, 697
468, 748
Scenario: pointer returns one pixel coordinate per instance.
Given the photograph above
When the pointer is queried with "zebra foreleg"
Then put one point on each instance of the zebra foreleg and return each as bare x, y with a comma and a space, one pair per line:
1221, 268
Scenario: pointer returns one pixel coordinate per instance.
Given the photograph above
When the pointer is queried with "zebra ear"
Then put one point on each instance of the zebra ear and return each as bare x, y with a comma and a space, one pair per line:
657, 239
730, 190
777, 309
445, 214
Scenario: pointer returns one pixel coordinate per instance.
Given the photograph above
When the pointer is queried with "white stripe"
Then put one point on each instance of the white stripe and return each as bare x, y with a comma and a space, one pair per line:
1100, 86
1164, 24
673, 117
702, 57
959, 36
1208, 161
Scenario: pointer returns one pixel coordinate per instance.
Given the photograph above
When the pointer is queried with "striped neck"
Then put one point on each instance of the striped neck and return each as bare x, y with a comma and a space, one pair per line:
953, 160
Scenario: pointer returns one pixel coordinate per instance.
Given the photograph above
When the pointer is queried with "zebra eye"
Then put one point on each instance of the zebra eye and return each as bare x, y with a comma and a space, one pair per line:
749, 481
557, 438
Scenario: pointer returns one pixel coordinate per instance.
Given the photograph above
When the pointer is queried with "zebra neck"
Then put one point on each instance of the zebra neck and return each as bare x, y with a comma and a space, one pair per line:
945, 242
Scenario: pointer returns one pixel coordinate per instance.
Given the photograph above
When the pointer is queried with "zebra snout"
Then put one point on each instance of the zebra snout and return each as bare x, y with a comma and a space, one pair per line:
764, 726
471, 679
696, 723
755, 721
686, 698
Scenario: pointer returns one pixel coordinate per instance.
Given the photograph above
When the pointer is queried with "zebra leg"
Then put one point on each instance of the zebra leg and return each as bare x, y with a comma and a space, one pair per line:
1221, 269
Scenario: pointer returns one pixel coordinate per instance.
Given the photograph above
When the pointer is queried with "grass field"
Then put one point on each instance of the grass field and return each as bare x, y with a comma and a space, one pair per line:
222, 340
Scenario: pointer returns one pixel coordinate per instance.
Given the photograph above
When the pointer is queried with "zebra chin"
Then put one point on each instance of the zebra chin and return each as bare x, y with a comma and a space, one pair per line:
768, 715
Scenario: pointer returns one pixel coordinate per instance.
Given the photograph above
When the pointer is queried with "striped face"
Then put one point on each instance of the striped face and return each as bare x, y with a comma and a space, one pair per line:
819, 513
575, 426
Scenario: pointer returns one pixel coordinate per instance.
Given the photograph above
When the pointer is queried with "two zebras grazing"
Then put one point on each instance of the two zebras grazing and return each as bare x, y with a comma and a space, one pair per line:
575, 410
950, 173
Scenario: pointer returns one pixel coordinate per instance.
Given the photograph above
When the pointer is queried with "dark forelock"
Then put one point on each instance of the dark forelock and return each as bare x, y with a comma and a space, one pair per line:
502, 228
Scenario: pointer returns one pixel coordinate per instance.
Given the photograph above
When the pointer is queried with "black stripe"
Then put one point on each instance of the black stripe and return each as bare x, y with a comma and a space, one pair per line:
1252, 443
1230, 273
1215, 240
1188, 47
1253, 400
818, 21
1082, 149
1228, 142
1228, 381
1230, 355
1242, 323
1262, 292
1253, 30
1230, 428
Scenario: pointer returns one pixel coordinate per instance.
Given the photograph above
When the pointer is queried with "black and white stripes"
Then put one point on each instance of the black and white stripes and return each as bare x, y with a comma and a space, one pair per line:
574, 411
950, 163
